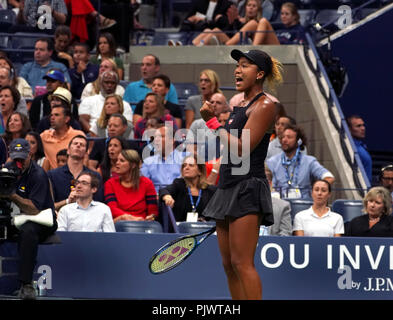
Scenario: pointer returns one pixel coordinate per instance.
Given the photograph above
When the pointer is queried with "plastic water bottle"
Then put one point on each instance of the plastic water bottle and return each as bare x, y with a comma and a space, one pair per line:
41, 289
263, 231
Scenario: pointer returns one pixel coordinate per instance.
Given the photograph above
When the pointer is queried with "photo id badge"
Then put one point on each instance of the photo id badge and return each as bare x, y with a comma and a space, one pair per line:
294, 193
192, 216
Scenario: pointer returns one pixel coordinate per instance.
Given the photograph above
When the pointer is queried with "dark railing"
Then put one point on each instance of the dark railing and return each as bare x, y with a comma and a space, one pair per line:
341, 126
168, 217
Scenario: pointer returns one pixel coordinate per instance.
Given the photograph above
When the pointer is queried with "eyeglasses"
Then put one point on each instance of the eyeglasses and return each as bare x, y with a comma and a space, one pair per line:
76, 182
387, 178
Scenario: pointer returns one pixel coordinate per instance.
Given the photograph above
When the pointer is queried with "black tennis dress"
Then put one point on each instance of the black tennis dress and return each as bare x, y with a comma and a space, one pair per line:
245, 191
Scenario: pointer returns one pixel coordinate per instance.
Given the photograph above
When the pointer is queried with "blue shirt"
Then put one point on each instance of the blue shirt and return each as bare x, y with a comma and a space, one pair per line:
163, 171
61, 183
364, 157
137, 90
306, 170
291, 35
32, 72
2, 124
79, 80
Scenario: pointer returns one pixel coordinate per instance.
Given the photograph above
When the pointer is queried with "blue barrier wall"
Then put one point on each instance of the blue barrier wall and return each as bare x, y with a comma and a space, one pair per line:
109, 265
366, 52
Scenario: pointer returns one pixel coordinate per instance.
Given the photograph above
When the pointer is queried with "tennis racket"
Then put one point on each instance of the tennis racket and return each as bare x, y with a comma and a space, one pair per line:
175, 252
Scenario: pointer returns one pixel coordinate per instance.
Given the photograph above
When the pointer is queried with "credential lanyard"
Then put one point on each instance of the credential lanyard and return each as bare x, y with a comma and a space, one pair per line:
194, 206
286, 163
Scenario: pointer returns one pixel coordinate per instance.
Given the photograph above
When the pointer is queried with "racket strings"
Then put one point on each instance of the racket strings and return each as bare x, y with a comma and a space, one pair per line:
172, 255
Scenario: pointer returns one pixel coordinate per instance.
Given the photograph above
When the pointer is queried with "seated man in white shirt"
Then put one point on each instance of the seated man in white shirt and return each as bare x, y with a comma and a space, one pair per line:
85, 214
90, 108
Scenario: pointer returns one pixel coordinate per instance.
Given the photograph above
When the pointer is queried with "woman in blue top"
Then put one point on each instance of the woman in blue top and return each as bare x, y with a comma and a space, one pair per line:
242, 201
290, 32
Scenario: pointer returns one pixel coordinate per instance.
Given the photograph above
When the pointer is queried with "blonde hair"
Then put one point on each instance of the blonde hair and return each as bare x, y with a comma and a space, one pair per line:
132, 157
259, 12
160, 105
379, 192
275, 78
102, 121
214, 79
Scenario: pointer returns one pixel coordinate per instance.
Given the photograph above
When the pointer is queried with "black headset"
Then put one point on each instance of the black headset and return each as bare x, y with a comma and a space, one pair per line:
389, 167
12, 72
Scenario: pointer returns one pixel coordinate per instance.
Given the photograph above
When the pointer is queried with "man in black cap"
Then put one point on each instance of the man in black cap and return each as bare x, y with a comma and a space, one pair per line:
32, 195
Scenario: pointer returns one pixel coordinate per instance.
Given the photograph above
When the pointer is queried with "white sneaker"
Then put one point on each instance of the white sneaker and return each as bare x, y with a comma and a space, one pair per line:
171, 43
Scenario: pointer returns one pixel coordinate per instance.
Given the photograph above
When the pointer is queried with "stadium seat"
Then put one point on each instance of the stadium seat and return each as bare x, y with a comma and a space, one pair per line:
124, 83
4, 41
138, 226
7, 19
162, 38
195, 227
319, 4
166, 8
17, 67
363, 13
328, 18
20, 55
268, 9
185, 90
307, 17
23, 40
26, 40
298, 205
349, 209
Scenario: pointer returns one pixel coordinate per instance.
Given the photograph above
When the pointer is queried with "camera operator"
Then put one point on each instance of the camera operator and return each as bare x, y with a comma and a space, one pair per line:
32, 195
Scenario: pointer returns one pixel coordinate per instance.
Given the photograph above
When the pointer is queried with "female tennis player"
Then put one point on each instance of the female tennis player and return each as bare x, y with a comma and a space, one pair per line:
243, 202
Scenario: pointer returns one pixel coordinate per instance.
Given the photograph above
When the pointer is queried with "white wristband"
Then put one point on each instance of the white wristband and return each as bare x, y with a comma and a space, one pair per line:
214, 170
67, 201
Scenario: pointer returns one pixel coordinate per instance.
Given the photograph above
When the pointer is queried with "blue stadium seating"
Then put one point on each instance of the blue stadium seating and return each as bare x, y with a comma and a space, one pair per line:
185, 90
124, 83
349, 209
20, 55
25, 40
268, 10
7, 19
138, 226
299, 205
307, 17
166, 8
4, 41
17, 67
195, 227
328, 18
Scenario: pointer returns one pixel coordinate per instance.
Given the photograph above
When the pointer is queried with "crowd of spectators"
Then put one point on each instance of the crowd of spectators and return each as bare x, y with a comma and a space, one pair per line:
65, 92
100, 143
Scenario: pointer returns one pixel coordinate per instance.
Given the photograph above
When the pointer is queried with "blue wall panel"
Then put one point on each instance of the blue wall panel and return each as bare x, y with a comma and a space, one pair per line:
367, 53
